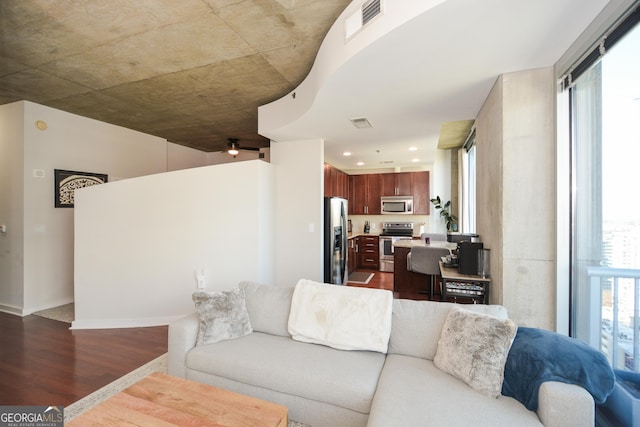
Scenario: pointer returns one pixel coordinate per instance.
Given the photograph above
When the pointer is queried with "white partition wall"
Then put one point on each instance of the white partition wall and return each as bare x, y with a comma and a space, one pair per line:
299, 210
36, 251
139, 242
12, 253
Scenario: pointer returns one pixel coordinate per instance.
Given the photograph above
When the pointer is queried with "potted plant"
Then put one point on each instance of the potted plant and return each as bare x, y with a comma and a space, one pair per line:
445, 212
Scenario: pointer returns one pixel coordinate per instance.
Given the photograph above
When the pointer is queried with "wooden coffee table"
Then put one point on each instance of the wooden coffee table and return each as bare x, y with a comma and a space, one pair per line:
163, 400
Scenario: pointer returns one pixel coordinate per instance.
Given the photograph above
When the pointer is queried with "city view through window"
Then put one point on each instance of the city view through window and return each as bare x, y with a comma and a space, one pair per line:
620, 73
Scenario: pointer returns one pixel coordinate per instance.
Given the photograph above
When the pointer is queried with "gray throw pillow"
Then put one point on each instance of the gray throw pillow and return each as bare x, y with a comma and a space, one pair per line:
222, 315
473, 347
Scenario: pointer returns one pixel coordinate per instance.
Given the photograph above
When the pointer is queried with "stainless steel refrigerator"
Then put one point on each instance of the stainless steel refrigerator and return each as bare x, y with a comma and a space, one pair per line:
335, 240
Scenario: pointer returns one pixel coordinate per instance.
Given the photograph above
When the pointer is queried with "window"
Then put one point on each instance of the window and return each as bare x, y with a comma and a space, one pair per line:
467, 179
605, 218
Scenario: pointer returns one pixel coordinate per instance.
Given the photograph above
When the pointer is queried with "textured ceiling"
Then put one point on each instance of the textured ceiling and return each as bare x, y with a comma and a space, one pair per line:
191, 71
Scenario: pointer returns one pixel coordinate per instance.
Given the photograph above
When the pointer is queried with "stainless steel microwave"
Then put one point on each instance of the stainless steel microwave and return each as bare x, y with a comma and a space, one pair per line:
396, 205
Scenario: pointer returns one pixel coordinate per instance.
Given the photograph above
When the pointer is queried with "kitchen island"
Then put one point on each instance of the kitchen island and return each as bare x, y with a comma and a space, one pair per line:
408, 284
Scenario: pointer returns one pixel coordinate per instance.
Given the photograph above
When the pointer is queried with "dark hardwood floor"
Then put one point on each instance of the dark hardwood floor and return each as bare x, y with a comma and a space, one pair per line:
42, 362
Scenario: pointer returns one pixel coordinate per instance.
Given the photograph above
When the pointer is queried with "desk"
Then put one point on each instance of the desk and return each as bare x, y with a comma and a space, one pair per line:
459, 285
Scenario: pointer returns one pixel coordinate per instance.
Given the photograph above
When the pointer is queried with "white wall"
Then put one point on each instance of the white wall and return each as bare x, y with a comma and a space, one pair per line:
139, 242
299, 210
11, 196
44, 250
180, 157
440, 186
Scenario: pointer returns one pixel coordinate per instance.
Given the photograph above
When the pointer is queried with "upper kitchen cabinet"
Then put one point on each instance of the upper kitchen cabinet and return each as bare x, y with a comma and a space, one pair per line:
364, 194
336, 182
420, 192
396, 184
365, 191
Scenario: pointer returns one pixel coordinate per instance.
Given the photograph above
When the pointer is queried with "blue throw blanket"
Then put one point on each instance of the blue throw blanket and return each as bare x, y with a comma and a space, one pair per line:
538, 355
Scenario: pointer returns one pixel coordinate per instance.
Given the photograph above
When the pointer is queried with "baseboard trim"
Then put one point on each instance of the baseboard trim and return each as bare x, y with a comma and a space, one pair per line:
10, 309
124, 323
57, 303
21, 311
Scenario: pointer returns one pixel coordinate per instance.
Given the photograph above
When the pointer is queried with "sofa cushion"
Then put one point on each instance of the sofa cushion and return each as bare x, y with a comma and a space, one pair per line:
474, 347
413, 392
222, 316
343, 378
416, 325
268, 307
346, 318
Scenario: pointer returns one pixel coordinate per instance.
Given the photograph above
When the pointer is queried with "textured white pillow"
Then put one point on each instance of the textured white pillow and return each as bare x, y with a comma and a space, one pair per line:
473, 347
342, 317
223, 315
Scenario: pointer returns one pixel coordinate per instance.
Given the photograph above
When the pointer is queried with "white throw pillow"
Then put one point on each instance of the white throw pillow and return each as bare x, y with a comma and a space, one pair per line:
473, 347
342, 317
222, 315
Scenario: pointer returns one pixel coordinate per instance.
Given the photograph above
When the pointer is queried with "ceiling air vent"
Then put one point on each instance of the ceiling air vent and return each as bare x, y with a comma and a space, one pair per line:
361, 122
370, 10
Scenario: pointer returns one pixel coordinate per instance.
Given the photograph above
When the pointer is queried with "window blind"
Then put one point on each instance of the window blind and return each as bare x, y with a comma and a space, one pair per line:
606, 42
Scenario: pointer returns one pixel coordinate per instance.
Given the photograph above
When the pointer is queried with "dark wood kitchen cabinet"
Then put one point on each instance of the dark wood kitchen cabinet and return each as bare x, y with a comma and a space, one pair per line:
369, 252
420, 192
364, 194
352, 254
407, 284
336, 182
365, 191
396, 184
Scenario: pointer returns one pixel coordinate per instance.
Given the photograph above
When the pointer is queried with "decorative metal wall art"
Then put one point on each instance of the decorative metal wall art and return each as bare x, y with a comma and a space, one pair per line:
66, 182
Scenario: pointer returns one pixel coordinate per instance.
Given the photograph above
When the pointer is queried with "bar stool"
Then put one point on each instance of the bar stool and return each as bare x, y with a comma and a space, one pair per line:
426, 260
435, 237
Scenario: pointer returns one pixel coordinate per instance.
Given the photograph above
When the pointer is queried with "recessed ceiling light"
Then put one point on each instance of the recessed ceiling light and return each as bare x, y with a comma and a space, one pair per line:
360, 163
415, 160
346, 153
413, 148
361, 122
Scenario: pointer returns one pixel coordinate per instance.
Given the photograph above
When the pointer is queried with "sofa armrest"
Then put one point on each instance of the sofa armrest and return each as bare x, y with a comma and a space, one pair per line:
182, 338
565, 405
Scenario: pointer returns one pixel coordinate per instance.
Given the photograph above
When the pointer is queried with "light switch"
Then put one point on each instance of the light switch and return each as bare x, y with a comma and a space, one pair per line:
312, 227
3, 228
200, 279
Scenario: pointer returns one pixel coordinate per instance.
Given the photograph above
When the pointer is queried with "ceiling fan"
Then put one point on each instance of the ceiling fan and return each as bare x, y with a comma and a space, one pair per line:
234, 147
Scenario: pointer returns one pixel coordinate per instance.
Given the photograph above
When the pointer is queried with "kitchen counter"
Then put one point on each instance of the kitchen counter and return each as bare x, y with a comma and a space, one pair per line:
419, 242
353, 235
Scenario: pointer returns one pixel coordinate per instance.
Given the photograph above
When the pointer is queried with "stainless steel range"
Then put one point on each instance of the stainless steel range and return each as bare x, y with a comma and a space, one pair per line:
391, 233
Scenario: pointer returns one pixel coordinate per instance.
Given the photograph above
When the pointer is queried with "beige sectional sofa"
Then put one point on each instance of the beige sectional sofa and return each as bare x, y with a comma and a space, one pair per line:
325, 386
